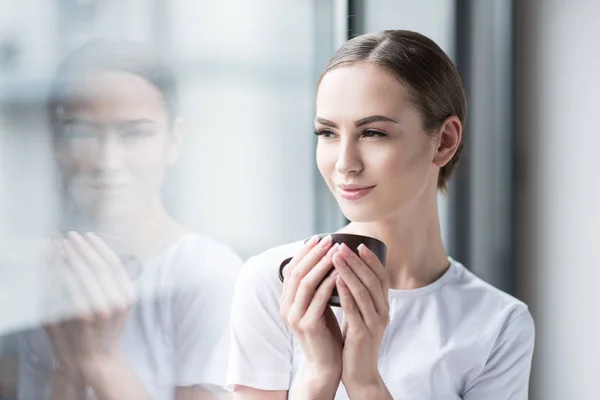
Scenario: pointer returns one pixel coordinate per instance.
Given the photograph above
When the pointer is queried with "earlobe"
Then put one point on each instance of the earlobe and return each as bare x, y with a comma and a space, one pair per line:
449, 138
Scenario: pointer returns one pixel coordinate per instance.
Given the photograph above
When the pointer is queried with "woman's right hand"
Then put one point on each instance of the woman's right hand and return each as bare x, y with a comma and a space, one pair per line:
304, 308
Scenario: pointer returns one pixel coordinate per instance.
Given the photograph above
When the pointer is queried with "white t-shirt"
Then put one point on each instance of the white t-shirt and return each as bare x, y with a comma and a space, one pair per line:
178, 332
457, 338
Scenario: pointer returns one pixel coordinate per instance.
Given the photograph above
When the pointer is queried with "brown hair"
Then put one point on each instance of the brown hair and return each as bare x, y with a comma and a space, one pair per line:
434, 83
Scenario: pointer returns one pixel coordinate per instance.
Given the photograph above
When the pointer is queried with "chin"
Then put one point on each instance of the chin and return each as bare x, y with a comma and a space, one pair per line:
364, 213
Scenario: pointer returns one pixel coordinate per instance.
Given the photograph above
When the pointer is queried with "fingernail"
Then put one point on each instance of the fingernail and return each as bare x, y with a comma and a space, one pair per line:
333, 249
347, 251
361, 247
312, 240
339, 262
326, 241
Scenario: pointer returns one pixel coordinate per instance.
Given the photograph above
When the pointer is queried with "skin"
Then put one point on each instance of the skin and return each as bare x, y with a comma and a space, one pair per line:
396, 156
115, 142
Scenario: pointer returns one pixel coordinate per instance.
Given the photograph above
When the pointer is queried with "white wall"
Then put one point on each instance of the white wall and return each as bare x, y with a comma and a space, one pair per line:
247, 93
558, 107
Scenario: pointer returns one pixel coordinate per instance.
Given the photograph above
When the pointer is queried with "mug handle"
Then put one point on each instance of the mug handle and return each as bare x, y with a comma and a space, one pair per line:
283, 264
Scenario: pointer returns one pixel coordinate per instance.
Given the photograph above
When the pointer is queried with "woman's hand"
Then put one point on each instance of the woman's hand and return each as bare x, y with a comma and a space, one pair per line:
363, 286
304, 308
102, 295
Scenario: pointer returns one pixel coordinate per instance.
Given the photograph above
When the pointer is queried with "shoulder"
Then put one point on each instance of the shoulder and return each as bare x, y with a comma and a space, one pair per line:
269, 260
261, 271
483, 294
498, 313
194, 262
203, 253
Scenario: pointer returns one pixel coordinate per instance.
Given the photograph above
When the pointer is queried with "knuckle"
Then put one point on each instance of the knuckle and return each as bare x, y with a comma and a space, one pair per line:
306, 285
307, 326
385, 319
363, 294
285, 314
351, 307
292, 319
295, 274
360, 336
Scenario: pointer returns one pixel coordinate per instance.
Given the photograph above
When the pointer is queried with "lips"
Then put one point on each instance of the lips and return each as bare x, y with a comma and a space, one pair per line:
354, 192
109, 187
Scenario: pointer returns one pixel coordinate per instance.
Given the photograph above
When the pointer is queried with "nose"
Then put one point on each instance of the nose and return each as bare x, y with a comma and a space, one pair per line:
109, 153
349, 158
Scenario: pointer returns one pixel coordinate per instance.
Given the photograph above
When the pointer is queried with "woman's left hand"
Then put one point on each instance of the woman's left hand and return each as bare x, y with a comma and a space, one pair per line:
363, 286
102, 296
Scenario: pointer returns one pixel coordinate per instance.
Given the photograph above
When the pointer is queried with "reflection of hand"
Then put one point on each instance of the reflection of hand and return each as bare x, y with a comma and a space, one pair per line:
363, 286
102, 295
304, 308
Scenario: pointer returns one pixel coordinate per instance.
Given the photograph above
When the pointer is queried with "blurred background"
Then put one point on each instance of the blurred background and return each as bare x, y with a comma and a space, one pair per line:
522, 211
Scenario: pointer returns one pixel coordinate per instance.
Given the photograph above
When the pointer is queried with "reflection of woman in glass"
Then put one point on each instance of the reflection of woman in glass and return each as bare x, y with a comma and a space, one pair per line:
115, 131
389, 115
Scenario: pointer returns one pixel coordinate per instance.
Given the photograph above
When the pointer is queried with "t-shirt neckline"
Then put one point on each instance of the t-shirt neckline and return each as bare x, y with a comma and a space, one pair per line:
441, 281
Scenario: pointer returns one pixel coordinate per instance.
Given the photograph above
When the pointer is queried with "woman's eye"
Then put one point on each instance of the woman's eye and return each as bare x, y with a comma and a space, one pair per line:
78, 132
137, 132
325, 133
372, 133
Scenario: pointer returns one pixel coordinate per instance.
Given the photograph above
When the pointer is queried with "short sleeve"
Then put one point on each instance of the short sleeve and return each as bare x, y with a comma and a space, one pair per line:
261, 343
201, 311
505, 375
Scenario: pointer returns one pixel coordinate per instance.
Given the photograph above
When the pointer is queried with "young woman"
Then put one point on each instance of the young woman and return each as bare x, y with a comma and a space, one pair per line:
390, 111
151, 326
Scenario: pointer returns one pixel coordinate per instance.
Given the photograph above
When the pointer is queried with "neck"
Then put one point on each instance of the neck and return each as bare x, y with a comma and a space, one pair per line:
415, 252
144, 232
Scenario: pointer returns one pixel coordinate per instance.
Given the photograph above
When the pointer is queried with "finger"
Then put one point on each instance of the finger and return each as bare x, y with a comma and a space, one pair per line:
321, 298
85, 280
376, 266
114, 264
306, 248
103, 273
59, 339
108, 270
368, 278
352, 315
79, 306
359, 292
308, 285
308, 245
299, 270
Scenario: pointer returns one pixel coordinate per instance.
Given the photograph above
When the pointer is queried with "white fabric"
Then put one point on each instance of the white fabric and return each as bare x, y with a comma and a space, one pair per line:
458, 338
178, 332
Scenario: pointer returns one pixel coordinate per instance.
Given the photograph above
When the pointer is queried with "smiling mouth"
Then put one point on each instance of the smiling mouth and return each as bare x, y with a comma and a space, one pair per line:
354, 193
108, 187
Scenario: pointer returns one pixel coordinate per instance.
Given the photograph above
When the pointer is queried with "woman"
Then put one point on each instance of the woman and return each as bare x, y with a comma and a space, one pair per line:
390, 111
153, 326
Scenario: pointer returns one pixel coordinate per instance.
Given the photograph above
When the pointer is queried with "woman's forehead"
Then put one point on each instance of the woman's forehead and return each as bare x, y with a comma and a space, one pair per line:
363, 86
358, 91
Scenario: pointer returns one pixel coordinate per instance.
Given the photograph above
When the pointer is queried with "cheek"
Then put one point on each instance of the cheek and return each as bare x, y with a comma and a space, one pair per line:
73, 160
326, 159
403, 164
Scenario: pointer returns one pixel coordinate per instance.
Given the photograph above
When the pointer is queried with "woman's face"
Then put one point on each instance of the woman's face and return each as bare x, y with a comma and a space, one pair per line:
372, 140
114, 143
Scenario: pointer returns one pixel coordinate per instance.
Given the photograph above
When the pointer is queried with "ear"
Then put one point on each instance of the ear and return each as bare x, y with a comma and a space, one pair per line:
175, 140
448, 140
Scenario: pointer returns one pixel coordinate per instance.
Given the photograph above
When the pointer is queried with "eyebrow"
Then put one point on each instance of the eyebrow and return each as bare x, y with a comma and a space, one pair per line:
135, 122
79, 121
360, 122
123, 124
